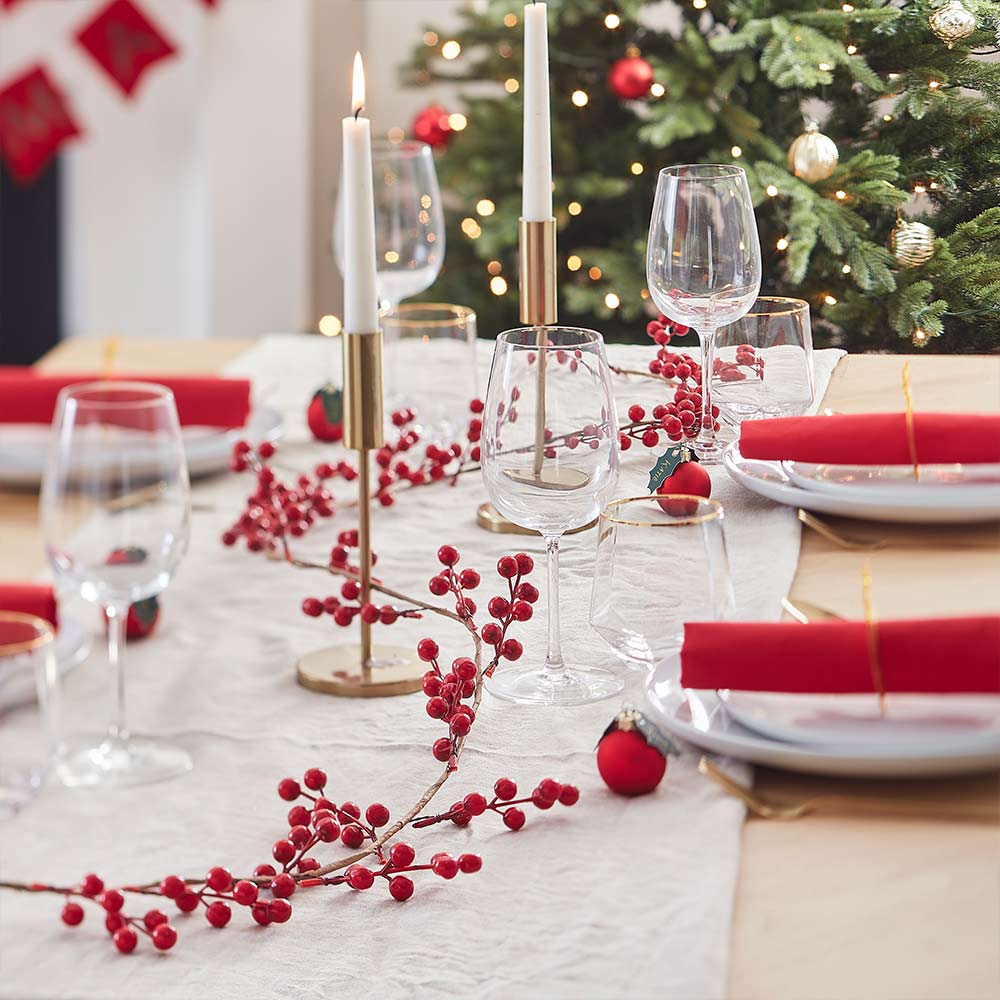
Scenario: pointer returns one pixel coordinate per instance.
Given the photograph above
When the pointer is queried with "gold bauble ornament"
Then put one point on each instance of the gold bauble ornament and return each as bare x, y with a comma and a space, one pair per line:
912, 243
952, 22
813, 156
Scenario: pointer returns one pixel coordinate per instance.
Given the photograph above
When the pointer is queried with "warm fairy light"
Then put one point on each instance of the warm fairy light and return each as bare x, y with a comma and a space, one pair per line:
887, 118
330, 326
846, 269
510, 20
485, 207
840, 195
457, 121
426, 201
851, 49
451, 49
637, 168
633, 52
430, 38
471, 228
498, 285
644, 294
612, 301
657, 90
595, 273
504, 50
494, 267
919, 336
782, 243
395, 135
574, 208
391, 257
431, 237
830, 300
573, 262
825, 67
919, 189
772, 191
424, 216
847, 8
358, 88
612, 21
580, 98
933, 84
699, 4
934, 186
736, 152
511, 85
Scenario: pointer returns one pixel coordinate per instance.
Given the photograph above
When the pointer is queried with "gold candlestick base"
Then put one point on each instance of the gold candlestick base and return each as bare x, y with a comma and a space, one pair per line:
490, 519
337, 670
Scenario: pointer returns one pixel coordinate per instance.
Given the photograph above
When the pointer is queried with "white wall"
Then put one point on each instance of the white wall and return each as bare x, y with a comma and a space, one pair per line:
187, 209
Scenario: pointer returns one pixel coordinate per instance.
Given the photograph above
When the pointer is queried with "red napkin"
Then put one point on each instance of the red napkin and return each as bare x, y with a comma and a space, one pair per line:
874, 438
30, 599
29, 397
930, 655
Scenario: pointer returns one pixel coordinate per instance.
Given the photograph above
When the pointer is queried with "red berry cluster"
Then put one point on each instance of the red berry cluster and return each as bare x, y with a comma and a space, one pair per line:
400, 861
515, 607
124, 930
505, 802
746, 357
348, 606
219, 890
275, 511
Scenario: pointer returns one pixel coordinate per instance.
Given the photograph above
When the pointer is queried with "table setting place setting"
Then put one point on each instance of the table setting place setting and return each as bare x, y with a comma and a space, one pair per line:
597, 591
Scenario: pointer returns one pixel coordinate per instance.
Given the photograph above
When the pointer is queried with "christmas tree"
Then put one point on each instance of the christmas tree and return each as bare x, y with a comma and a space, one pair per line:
884, 217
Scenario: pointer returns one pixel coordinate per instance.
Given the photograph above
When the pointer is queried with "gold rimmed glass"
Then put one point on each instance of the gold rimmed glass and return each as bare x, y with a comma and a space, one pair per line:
429, 337
27, 691
661, 562
763, 363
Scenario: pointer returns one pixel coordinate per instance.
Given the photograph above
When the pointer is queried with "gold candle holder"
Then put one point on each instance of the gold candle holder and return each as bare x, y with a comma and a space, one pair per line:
539, 308
362, 671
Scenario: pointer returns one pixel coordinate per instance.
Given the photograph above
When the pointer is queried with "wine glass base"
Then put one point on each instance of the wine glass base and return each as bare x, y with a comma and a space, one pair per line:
709, 453
135, 762
538, 686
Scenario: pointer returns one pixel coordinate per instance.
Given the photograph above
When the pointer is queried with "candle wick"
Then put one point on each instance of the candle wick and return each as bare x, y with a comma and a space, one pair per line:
358, 110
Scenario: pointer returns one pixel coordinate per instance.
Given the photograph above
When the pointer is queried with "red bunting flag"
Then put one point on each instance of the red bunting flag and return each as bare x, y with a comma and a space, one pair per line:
34, 122
125, 43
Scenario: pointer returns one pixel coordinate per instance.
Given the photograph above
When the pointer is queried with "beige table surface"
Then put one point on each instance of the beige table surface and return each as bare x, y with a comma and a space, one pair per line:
827, 906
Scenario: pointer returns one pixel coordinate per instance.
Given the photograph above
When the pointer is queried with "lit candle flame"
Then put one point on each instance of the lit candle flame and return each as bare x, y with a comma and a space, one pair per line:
358, 91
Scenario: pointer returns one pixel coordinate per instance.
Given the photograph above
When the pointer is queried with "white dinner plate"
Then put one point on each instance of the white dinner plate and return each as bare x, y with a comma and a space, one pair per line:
977, 484
72, 644
24, 447
931, 722
701, 718
937, 506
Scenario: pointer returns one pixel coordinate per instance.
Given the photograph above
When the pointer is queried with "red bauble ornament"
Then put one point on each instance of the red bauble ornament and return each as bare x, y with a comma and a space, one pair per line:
431, 126
691, 478
326, 414
142, 617
630, 78
632, 756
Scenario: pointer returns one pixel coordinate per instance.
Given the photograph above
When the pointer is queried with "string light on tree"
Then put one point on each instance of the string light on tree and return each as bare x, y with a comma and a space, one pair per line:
494, 267
511, 85
771, 191
840, 195
952, 22
510, 20
782, 244
736, 152
830, 300
813, 156
637, 168
846, 269
498, 285
580, 98
457, 121
574, 208
933, 84
430, 38
699, 4
573, 262
595, 273
485, 207
920, 337
657, 90
330, 326
451, 49
612, 301
851, 49
612, 21
471, 228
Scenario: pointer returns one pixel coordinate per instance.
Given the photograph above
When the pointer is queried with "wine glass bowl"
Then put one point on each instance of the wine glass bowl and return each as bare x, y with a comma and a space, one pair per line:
703, 262
549, 455
116, 521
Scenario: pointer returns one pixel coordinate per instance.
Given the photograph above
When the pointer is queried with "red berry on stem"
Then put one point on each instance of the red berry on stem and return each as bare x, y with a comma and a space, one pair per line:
260, 914
491, 633
507, 567
437, 707
187, 901
288, 789
570, 795
401, 855
442, 749
470, 863
153, 919
359, 877
219, 878
539, 801
299, 816
313, 607
218, 914
447, 555
113, 921
445, 866
265, 870
125, 939
401, 888
91, 885
505, 789
112, 900
72, 914
511, 649
527, 592
550, 789
513, 818
525, 564
279, 910
377, 814
164, 937
314, 779
283, 851
460, 725
427, 650
299, 836
474, 804
351, 809
636, 413
469, 579
307, 865
352, 836
283, 886
245, 893
328, 830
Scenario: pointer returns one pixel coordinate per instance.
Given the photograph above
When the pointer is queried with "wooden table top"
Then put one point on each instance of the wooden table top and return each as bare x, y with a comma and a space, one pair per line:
827, 906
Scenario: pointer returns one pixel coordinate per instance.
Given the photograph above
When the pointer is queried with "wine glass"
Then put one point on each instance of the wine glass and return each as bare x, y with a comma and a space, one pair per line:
763, 363
641, 614
703, 263
116, 519
550, 458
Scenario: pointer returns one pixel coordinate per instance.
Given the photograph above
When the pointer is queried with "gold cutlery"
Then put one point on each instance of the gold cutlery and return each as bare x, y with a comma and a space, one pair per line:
843, 541
771, 807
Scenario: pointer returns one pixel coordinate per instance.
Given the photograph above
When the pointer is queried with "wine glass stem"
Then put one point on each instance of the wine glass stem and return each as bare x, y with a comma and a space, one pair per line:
706, 441
553, 656
117, 617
